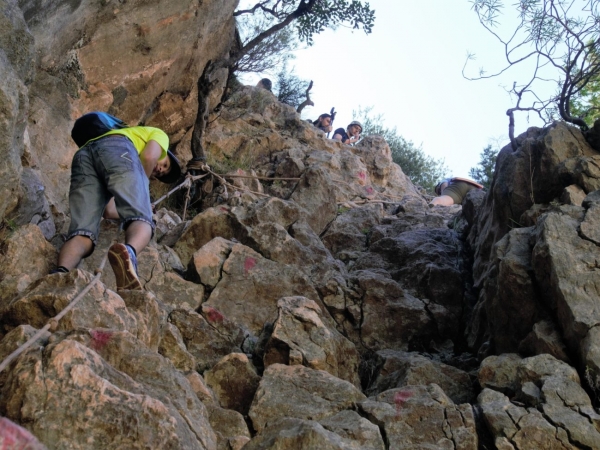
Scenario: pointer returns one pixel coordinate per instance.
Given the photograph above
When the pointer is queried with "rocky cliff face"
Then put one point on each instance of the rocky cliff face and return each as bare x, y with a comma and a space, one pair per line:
312, 299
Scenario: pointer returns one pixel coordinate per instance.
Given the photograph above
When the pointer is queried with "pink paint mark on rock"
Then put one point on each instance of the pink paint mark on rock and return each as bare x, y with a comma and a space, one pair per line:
13, 436
224, 209
369, 190
399, 399
213, 315
362, 175
100, 338
249, 264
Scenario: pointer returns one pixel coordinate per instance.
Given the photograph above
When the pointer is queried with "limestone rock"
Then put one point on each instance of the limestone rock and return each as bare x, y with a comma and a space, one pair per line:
512, 294
565, 266
516, 427
316, 194
82, 400
300, 336
301, 393
207, 262
99, 308
556, 412
422, 417
572, 195
544, 338
297, 434
17, 57
350, 229
207, 337
523, 177
229, 426
212, 223
401, 369
350, 426
173, 348
500, 373
25, 256
389, 316
33, 206
234, 381
424, 261
251, 286
203, 392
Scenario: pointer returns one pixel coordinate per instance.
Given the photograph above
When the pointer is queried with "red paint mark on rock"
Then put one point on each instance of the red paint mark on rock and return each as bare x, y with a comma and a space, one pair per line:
400, 397
100, 339
249, 264
369, 190
362, 175
213, 315
12, 436
224, 209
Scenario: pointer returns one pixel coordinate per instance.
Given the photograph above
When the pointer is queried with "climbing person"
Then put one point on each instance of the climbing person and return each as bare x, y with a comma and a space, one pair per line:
323, 122
110, 178
265, 83
350, 135
452, 191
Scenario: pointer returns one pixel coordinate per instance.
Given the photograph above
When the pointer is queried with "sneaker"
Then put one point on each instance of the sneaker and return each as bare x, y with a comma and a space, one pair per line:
124, 265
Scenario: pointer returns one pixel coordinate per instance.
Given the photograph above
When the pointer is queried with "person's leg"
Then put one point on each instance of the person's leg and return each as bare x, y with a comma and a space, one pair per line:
443, 200
87, 198
74, 250
137, 235
127, 182
123, 258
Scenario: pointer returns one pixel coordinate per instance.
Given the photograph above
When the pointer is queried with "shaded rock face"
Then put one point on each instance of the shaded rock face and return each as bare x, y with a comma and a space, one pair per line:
538, 282
313, 301
16, 72
138, 60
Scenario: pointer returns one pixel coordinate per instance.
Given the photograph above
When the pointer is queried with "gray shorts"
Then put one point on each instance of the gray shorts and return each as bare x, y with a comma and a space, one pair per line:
457, 190
102, 169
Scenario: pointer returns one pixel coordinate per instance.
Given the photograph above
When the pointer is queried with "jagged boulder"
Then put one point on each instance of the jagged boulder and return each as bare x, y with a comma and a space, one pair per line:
300, 336
316, 395
401, 369
207, 337
422, 417
25, 256
234, 381
104, 393
256, 284
550, 408
565, 265
17, 58
296, 434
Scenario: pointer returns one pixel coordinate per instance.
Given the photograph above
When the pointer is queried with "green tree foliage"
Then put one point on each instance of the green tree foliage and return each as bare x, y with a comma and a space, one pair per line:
310, 16
483, 173
289, 88
421, 168
554, 42
274, 51
586, 104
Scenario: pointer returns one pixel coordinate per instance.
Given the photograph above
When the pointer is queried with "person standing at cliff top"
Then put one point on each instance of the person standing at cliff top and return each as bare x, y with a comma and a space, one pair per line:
323, 123
350, 135
452, 191
110, 177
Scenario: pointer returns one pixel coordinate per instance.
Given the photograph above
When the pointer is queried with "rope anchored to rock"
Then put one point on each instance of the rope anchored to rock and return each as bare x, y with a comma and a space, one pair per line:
52, 324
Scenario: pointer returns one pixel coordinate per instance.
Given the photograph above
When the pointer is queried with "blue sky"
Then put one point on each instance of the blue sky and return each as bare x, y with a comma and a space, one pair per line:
409, 69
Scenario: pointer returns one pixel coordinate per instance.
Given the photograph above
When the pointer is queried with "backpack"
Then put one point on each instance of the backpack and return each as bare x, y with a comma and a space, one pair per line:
93, 125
